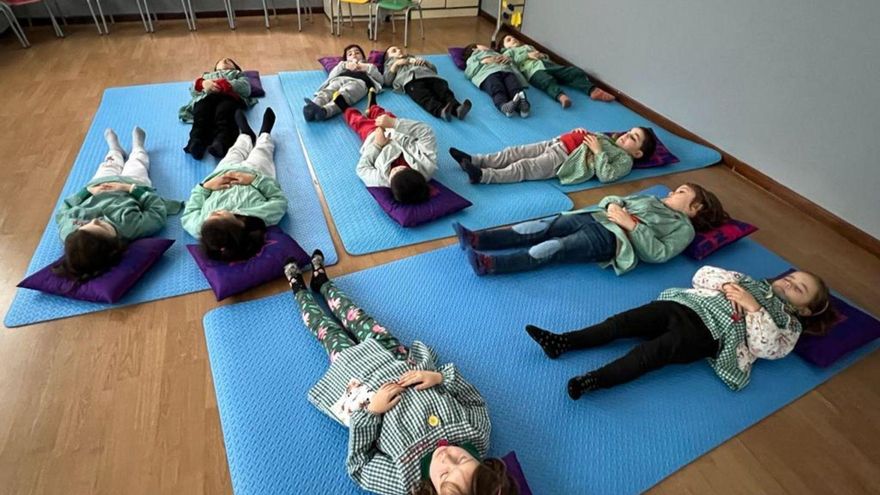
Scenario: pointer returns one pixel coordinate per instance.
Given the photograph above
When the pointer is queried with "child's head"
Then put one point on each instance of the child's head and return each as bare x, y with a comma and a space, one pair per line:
353, 53
510, 41
473, 47
639, 142
454, 471
699, 204
229, 237
393, 52
90, 250
226, 64
809, 295
408, 186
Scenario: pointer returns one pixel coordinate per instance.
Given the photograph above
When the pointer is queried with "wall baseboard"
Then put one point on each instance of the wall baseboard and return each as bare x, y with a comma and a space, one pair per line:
83, 19
849, 231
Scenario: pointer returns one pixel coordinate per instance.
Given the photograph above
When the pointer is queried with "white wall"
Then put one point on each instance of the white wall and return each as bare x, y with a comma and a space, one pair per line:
791, 87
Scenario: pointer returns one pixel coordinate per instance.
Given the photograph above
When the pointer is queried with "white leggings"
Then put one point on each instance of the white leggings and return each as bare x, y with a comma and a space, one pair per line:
260, 157
137, 167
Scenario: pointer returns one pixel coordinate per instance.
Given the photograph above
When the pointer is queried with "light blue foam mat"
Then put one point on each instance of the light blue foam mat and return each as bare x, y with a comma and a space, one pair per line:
548, 120
154, 108
617, 441
333, 150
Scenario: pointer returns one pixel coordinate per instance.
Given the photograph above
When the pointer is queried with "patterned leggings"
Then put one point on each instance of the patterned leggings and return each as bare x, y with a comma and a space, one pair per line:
358, 323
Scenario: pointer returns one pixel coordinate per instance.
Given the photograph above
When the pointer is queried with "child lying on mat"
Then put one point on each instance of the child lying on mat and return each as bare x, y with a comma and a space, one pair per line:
573, 157
413, 427
118, 205
728, 318
230, 210
418, 78
497, 75
215, 98
619, 232
547, 76
397, 153
346, 85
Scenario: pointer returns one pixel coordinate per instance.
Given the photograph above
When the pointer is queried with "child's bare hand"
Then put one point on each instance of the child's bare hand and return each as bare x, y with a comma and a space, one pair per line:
503, 59
386, 398
239, 178
593, 143
379, 137
621, 217
740, 298
208, 85
108, 187
536, 55
217, 183
385, 121
421, 379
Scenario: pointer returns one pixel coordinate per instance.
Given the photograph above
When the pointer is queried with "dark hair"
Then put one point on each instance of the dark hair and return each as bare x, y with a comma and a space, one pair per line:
822, 314
233, 63
649, 144
490, 478
409, 187
232, 239
385, 53
87, 255
349, 47
469, 50
711, 213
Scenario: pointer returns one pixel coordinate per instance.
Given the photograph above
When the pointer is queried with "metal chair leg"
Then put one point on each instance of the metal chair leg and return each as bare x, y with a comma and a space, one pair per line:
266, 13
94, 17
338, 17
230, 13
60, 13
14, 25
406, 17
350, 16
421, 22
192, 14
58, 32
103, 19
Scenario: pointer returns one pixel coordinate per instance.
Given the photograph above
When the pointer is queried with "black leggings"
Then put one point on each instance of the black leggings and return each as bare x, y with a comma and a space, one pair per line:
214, 120
675, 333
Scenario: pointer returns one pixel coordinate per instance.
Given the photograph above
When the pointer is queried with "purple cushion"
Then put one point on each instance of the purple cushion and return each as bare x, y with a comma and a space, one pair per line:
108, 287
516, 472
661, 156
375, 57
706, 243
230, 278
852, 329
444, 201
457, 54
253, 78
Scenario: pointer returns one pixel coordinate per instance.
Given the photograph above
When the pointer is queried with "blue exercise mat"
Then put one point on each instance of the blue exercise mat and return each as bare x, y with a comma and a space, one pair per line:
333, 150
549, 120
617, 441
154, 108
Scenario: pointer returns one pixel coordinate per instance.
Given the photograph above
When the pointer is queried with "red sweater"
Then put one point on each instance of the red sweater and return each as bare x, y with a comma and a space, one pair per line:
222, 84
572, 140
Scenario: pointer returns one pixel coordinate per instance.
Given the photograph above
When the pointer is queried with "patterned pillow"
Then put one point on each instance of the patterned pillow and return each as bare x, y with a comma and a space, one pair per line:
110, 286
230, 278
661, 156
375, 57
516, 472
444, 201
457, 54
706, 243
255, 82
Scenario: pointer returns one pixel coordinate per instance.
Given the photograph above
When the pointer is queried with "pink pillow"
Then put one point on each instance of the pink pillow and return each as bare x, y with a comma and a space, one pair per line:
706, 243
230, 278
375, 57
443, 201
108, 287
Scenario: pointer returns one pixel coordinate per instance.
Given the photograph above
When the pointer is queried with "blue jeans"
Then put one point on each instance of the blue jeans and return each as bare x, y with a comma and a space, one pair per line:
566, 238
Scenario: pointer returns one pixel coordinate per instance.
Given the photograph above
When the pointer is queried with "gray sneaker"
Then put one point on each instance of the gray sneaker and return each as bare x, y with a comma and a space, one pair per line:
522, 104
509, 108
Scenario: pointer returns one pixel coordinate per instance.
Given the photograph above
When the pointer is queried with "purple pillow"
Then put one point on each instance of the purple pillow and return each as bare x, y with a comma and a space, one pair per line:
661, 156
516, 472
253, 78
375, 57
851, 329
230, 278
706, 243
457, 54
444, 201
108, 287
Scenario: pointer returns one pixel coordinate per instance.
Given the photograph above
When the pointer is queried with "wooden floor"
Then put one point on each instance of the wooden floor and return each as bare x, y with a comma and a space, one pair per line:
122, 401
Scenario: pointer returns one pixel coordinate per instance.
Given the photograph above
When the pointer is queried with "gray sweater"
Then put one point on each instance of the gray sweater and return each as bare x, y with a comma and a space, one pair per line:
410, 138
372, 72
402, 75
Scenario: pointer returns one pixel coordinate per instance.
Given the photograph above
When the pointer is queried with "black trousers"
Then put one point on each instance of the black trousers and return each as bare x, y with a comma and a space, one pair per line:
431, 93
675, 333
214, 120
502, 86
